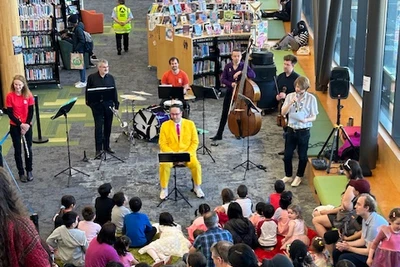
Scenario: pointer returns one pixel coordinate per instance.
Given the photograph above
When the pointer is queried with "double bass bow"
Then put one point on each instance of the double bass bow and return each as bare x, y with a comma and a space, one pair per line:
243, 120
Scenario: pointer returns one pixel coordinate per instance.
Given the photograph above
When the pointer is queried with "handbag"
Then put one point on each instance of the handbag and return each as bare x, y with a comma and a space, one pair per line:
346, 222
77, 62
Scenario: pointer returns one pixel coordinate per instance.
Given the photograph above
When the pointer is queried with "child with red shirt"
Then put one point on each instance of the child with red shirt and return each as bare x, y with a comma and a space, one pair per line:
274, 198
19, 104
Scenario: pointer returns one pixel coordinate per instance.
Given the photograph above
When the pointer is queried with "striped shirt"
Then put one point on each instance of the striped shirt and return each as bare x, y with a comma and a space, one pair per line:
302, 38
307, 105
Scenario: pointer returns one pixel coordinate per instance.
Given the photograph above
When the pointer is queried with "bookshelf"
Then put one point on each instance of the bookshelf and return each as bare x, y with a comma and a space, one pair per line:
40, 55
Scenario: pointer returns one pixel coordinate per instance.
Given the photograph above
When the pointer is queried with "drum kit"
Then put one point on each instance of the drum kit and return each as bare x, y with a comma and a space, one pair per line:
146, 123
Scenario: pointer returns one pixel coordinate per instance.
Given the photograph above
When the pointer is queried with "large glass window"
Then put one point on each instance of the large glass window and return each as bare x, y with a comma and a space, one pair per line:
389, 63
336, 54
352, 41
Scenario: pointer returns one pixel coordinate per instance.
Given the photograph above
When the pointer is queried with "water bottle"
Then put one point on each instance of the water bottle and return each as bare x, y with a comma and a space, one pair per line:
350, 122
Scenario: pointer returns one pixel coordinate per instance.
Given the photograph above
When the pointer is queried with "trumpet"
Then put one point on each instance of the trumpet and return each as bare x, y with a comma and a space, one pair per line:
123, 124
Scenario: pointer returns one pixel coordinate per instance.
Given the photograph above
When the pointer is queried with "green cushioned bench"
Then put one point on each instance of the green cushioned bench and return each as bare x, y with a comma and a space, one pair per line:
330, 188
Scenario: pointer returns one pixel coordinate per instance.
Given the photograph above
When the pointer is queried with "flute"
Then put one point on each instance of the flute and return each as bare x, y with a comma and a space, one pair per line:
25, 145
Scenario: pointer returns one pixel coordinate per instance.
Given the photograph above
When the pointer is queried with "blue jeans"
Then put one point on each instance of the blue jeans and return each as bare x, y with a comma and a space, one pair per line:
83, 72
299, 139
358, 259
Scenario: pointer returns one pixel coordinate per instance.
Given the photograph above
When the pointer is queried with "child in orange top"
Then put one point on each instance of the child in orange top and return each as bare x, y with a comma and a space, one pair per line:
274, 198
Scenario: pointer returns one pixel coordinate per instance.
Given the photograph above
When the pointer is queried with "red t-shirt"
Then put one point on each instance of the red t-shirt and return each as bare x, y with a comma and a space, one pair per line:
20, 105
176, 80
274, 200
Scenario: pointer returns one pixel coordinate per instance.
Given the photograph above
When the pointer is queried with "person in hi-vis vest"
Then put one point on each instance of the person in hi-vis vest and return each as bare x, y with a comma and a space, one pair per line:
122, 17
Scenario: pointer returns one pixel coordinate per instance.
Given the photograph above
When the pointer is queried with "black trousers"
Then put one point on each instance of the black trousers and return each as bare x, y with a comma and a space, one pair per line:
358, 259
103, 118
225, 111
118, 38
280, 15
15, 132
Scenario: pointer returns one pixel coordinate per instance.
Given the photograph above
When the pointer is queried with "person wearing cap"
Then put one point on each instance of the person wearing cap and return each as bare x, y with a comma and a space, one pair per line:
357, 251
78, 45
103, 204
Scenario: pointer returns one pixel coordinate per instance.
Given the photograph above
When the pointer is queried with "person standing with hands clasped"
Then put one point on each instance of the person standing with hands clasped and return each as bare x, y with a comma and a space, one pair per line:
19, 104
122, 17
102, 113
303, 110
231, 78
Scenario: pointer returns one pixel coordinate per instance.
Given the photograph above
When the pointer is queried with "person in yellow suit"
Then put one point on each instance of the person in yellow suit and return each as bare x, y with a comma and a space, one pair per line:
179, 135
122, 17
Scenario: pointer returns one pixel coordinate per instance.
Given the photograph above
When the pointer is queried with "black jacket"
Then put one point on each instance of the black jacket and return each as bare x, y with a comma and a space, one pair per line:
78, 38
242, 231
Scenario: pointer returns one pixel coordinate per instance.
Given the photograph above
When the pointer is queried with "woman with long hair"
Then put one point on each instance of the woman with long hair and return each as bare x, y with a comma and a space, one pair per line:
19, 103
20, 244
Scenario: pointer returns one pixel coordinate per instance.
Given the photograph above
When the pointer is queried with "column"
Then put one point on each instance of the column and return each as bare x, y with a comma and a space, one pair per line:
322, 21
295, 15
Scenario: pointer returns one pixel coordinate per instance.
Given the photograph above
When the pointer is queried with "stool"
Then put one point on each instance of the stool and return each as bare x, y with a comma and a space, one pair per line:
175, 190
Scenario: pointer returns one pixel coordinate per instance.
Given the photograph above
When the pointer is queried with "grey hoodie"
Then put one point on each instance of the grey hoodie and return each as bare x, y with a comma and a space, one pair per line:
71, 245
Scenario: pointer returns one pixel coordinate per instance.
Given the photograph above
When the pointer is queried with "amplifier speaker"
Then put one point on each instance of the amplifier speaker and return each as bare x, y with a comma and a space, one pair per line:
339, 84
264, 73
262, 58
268, 95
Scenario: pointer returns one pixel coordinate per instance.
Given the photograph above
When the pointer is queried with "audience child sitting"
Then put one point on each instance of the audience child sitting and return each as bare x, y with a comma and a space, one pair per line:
299, 255
385, 249
198, 223
119, 211
196, 259
227, 197
172, 242
258, 216
281, 214
103, 204
90, 228
317, 251
244, 201
267, 229
69, 243
197, 232
137, 225
274, 198
101, 250
241, 228
67, 204
297, 227
122, 247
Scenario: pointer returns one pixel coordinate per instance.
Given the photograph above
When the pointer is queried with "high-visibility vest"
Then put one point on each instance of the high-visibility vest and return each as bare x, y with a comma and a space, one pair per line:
122, 13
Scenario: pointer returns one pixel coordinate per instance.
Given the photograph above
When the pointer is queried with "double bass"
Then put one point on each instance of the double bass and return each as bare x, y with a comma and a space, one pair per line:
243, 120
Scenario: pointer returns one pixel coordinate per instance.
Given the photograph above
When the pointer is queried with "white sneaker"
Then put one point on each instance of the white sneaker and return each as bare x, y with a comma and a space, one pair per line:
80, 85
287, 179
199, 193
163, 193
77, 83
296, 182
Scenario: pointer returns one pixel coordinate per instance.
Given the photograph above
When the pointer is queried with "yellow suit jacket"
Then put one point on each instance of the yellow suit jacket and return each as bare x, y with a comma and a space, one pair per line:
188, 141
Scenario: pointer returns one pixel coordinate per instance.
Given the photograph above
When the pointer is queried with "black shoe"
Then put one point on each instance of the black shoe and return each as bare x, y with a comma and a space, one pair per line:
119, 52
216, 137
126, 49
23, 178
238, 137
281, 152
109, 150
97, 155
30, 176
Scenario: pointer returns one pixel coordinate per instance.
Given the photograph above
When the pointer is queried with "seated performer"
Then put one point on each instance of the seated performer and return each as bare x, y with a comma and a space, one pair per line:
176, 78
179, 135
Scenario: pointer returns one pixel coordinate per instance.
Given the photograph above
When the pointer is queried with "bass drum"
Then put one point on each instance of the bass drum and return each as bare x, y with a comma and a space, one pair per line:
147, 122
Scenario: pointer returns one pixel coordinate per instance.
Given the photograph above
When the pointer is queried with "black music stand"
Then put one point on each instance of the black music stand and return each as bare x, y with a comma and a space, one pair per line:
97, 95
246, 164
63, 111
201, 93
170, 92
174, 158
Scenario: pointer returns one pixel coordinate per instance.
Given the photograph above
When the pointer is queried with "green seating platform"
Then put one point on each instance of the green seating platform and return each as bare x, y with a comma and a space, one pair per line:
329, 189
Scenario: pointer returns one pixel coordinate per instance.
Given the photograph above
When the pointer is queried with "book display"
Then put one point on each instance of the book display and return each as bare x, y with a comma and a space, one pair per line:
41, 58
204, 36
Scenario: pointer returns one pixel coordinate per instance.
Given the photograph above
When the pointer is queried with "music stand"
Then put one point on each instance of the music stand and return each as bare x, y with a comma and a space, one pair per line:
63, 111
170, 92
246, 164
201, 93
97, 95
174, 158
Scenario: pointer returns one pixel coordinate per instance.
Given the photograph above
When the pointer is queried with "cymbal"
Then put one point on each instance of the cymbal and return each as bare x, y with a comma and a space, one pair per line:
141, 93
133, 97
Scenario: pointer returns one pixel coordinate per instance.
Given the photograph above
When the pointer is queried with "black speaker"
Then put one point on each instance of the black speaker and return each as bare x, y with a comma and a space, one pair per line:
339, 83
268, 95
264, 72
262, 58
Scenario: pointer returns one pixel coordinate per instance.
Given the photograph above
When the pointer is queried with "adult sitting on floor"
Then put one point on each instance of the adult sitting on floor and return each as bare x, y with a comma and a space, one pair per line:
357, 251
295, 39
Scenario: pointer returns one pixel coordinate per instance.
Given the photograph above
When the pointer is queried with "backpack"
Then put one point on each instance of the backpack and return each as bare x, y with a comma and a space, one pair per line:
88, 42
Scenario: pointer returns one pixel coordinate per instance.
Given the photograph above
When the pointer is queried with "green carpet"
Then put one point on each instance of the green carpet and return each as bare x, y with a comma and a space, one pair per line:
276, 30
269, 4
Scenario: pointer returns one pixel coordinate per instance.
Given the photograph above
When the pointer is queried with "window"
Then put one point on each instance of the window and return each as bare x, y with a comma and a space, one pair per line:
352, 41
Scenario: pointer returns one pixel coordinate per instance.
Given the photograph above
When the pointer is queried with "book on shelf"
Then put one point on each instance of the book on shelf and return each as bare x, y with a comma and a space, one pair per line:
175, 2
186, 29
197, 29
166, 2
202, 5
217, 28
208, 28
247, 26
171, 10
178, 9
236, 27
188, 8
184, 19
173, 20
227, 27
214, 16
154, 8
166, 19
228, 15
202, 18
192, 18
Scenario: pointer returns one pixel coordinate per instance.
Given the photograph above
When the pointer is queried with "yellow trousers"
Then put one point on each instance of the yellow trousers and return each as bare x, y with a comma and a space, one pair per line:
193, 165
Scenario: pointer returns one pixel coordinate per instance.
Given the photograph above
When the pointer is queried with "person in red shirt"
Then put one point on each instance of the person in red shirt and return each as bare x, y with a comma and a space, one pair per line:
275, 197
19, 104
177, 78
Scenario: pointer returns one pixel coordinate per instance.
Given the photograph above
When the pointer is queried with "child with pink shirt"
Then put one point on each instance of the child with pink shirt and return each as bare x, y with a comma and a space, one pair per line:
297, 227
281, 214
122, 247
198, 223
385, 249
90, 228
258, 216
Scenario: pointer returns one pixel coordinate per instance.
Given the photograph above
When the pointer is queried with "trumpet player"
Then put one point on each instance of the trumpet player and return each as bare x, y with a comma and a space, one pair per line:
19, 104
102, 114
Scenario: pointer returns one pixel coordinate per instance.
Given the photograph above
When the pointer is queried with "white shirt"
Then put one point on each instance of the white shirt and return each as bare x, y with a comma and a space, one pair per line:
245, 204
